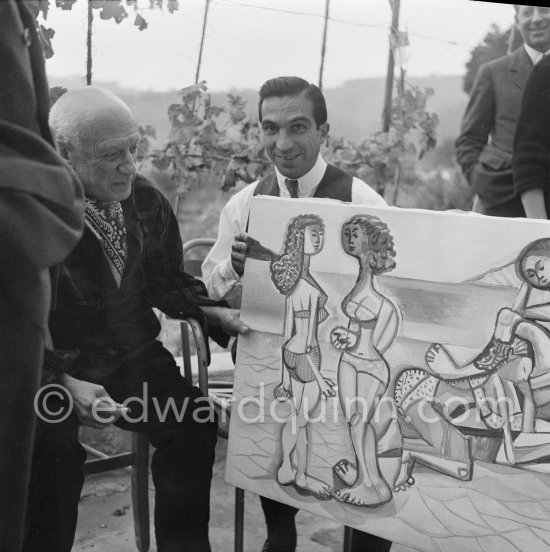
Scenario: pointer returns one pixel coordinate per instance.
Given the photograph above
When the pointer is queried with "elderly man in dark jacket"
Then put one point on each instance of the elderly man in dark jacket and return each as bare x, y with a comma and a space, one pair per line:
128, 261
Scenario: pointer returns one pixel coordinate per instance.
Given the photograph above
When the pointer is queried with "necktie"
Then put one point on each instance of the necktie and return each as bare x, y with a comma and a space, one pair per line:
292, 186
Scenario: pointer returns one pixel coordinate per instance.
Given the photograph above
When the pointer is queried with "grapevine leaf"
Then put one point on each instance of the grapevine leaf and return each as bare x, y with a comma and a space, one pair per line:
38, 6
140, 22
113, 9
150, 131
45, 36
229, 180
65, 4
190, 93
143, 149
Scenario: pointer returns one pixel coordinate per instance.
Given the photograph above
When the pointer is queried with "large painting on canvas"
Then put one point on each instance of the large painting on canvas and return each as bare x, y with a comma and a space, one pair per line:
397, 375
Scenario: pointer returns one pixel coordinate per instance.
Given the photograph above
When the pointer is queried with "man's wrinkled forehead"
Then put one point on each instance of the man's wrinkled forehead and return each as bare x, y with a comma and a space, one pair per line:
107, 124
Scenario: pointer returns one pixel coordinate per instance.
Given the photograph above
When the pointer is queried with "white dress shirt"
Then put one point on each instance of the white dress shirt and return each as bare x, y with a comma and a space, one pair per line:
535, 55
217, 272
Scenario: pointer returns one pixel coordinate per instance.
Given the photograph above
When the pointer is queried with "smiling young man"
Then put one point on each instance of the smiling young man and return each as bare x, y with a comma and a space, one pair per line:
293, 118
128, 261
485, 145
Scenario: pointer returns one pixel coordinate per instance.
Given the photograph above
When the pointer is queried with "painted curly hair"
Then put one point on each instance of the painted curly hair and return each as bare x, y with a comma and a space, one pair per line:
286, 269
380, 252
540, 248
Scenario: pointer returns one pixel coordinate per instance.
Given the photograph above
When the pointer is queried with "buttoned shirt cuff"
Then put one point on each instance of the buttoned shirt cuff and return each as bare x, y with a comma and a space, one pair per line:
223, 280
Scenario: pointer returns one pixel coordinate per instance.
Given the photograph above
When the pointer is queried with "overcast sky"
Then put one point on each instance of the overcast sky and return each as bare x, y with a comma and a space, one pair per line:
247, 41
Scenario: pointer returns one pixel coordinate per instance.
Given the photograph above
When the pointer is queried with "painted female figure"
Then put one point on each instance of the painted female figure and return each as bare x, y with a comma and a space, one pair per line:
301, 378
363, 373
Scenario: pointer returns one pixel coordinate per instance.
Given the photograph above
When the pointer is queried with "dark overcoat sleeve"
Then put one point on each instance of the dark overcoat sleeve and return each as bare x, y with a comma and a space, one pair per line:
532, 140
41, 204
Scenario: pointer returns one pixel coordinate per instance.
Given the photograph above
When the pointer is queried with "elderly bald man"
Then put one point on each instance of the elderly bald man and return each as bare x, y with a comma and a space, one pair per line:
128, 261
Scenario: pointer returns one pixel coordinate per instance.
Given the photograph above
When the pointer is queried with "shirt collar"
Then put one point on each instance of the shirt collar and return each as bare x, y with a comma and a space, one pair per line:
307, 184
535, 55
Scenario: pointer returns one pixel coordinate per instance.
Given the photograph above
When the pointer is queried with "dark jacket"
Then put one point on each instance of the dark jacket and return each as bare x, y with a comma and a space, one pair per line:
484, 147
111, 325
41, 209
532, 142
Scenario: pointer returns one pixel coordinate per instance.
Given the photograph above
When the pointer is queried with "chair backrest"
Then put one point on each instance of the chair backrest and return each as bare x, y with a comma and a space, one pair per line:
194, 253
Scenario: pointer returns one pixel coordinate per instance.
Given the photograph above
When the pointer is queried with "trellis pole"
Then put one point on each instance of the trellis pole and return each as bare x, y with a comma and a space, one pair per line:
324, 45
386, 114
89, 44
207, 5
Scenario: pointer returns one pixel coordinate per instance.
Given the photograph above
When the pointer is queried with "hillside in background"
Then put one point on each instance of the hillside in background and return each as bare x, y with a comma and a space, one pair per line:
354, 108
355, 111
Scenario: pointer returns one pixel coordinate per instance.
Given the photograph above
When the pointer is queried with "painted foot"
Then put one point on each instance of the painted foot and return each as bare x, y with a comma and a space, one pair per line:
439, 360
286, 474
308, 485
363, 495
404, 480
346, 471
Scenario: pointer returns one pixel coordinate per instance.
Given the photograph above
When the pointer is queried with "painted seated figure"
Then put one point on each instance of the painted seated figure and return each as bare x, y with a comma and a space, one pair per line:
516, 359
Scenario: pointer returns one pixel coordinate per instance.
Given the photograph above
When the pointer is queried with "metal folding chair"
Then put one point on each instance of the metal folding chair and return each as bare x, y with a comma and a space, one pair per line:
138, 460
219, 391
138, 457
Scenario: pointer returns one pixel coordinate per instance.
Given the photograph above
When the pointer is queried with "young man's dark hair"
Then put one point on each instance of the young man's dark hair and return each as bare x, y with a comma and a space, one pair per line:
292, 86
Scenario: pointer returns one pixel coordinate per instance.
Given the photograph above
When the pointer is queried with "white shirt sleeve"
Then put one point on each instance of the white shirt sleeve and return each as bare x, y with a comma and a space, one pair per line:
363, 194
217, 272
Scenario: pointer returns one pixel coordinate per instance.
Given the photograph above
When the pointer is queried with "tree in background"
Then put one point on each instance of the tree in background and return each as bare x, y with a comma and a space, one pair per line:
494, 45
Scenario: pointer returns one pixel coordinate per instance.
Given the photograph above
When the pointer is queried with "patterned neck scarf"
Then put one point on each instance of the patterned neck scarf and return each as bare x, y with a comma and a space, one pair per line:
106, 220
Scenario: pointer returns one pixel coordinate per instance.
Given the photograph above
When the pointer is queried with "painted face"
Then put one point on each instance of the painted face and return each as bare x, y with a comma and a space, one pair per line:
354, 240
314, 239
104, 159
290, 135
536, 269
533, 23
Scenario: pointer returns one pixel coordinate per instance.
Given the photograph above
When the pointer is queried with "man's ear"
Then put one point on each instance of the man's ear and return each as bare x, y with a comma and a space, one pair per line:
64, 149
325, 127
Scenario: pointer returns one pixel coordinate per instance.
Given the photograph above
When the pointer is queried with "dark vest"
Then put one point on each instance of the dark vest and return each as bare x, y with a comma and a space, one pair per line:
335, 184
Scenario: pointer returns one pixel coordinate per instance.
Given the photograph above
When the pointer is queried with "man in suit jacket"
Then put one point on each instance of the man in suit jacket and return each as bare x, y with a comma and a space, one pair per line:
484, 147
531, 160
